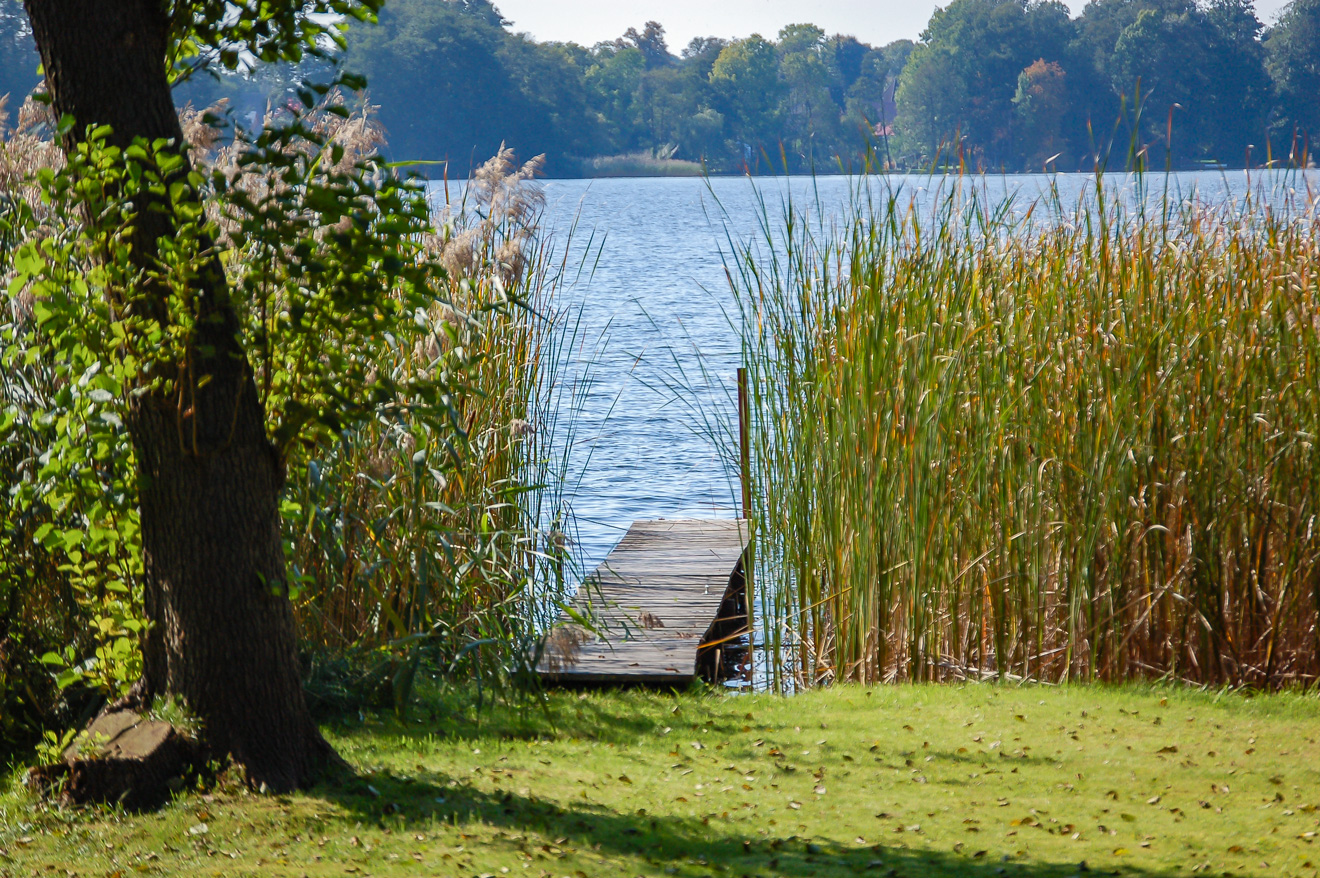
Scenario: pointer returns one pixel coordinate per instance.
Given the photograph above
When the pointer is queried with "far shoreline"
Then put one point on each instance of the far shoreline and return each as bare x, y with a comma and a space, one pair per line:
914, 172
646, 167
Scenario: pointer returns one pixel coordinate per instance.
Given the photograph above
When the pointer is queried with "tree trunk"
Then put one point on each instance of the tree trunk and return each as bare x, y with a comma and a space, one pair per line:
222, 634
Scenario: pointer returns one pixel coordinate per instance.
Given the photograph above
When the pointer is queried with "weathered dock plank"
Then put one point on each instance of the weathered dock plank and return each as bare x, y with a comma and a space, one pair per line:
667, 595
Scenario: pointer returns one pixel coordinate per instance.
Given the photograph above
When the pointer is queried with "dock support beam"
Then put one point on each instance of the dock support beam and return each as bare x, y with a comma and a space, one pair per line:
749, 559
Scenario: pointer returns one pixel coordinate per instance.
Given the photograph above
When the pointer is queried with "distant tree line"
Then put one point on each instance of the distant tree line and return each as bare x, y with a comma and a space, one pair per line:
1018, 84
453, 81
993, 84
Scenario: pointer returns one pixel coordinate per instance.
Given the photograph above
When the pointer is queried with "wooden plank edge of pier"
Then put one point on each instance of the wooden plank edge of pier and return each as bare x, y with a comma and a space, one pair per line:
609, 666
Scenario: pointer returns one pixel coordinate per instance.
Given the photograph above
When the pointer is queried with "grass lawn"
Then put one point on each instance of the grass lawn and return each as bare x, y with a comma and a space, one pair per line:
917, 781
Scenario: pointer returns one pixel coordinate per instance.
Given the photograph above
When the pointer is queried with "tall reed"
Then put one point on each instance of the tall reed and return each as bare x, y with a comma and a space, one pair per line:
457, 555
1036, 440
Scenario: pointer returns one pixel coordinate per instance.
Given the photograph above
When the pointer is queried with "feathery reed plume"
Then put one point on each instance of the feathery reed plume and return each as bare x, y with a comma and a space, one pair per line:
496, 219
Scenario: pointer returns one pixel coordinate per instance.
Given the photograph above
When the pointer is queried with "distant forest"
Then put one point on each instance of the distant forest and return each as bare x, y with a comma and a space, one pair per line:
998, 85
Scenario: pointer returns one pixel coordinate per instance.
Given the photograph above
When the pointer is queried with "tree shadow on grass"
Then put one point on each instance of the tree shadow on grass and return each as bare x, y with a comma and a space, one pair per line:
697, 845
677, 845
459, 718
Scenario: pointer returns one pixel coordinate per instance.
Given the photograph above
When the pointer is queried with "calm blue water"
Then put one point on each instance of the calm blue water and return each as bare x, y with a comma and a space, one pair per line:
659, 329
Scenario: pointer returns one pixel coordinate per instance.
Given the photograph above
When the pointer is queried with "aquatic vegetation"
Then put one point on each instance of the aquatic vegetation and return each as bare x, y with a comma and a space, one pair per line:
407, 549
1036, 440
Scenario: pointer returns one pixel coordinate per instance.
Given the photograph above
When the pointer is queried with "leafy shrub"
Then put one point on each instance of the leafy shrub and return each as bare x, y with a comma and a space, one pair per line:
68, 551
402, 397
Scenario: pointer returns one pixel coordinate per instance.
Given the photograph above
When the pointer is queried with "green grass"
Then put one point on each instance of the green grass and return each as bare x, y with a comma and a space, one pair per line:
917, 781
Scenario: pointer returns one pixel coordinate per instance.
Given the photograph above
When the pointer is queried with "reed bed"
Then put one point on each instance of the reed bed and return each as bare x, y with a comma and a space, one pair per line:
415, 541
411, 550
1036, 441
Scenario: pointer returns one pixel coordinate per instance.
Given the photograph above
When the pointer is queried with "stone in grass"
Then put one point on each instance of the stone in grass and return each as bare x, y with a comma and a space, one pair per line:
122, 757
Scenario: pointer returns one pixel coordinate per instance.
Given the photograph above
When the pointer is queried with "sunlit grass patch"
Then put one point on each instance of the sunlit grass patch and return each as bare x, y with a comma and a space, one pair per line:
902, 781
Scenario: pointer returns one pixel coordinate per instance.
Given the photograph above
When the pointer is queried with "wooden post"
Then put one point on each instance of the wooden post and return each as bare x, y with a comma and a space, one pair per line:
745, 474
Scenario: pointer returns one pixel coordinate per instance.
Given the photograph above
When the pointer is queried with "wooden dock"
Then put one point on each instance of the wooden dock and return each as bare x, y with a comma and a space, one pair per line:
662, 605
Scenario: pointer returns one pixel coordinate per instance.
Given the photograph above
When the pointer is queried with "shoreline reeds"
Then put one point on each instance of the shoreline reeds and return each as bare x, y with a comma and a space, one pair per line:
1036, 441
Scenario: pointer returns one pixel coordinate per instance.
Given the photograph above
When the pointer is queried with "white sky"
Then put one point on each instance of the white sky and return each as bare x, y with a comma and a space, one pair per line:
872, 21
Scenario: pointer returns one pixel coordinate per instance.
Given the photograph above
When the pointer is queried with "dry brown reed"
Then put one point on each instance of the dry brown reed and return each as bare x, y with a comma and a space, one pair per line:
26, 147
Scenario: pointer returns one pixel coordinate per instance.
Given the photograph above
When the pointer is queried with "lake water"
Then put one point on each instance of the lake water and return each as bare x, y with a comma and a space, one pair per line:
658, 322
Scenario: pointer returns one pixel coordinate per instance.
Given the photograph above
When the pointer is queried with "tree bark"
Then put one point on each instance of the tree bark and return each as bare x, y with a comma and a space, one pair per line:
222, 634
